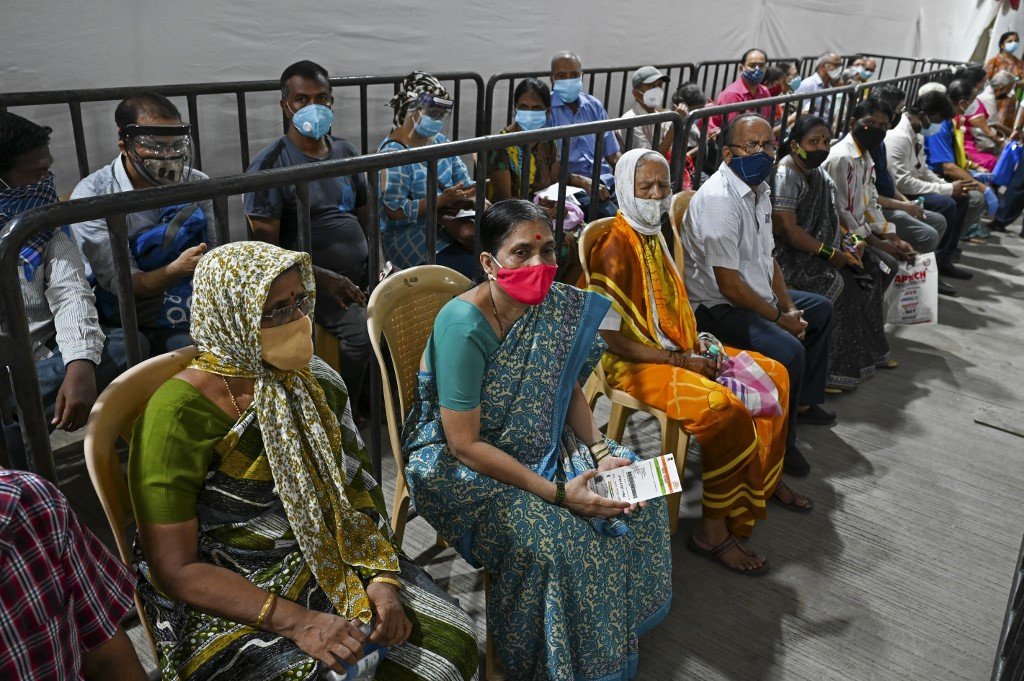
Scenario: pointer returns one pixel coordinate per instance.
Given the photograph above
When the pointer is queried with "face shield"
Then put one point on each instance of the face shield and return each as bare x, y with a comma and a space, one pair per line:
434, 107
162, 154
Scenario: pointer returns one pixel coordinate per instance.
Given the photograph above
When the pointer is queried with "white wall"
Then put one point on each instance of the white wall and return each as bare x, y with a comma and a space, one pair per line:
48, 44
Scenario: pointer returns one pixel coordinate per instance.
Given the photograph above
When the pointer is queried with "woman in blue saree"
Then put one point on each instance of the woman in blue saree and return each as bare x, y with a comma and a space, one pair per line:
501, 445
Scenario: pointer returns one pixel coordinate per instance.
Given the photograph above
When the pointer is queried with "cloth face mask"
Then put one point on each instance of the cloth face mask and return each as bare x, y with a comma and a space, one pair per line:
528, 285
289, 346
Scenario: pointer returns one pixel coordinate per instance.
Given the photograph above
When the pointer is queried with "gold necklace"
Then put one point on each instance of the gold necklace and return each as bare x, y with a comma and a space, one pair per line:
494, 309
234, 403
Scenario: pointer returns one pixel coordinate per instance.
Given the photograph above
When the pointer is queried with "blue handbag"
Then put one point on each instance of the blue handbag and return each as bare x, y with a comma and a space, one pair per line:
1007, 163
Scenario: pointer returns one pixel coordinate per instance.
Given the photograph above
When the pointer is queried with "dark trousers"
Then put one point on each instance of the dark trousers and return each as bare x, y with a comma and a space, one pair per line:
955, 212
604, 209
1011, 202
806, 361
348, 325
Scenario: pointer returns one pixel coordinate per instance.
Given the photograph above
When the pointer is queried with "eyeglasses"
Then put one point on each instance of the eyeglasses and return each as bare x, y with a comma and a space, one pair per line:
282, 315
751, 148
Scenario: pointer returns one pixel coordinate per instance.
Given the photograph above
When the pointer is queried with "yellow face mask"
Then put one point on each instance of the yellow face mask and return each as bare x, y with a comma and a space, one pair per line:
288, 347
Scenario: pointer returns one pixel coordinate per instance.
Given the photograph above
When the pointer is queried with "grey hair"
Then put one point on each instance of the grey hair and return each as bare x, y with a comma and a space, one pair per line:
931, 87
565, 55
1002, 79
642, 161
825, 58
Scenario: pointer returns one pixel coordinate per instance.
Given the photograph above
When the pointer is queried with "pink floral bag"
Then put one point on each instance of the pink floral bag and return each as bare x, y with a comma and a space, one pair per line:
749, 382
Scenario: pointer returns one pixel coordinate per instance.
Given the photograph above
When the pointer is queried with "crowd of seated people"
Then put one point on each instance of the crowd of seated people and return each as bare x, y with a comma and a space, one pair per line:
790, 244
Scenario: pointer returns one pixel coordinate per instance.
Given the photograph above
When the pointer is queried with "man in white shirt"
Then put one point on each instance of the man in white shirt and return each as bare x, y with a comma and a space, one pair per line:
737, 289
74, 359
649, 97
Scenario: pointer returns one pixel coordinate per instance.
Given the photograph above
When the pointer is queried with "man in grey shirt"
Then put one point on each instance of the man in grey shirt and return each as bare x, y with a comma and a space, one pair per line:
737, 289
74, 359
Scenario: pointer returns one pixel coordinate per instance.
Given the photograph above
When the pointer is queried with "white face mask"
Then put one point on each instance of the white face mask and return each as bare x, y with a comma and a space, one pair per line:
654, 97
649, 212
835, 73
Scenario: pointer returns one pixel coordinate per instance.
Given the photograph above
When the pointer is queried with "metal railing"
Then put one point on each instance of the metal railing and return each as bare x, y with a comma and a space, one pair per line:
1009, 664
16, 345
74, 99
611, 85
890, 66
715, 76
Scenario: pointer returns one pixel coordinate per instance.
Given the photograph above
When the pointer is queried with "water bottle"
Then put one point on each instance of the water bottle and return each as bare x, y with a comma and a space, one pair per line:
920, 202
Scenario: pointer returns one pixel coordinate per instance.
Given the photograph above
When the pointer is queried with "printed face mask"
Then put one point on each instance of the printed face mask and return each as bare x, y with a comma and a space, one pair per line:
528, 285
754, 76
811, 159
289, 346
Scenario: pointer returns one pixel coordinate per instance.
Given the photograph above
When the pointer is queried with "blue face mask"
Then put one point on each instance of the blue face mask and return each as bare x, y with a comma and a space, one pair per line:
754, 76
568, 89
313, 120
753, 170
428, 127
795, 83
1011, 46
865, 74
933, 129
531, 120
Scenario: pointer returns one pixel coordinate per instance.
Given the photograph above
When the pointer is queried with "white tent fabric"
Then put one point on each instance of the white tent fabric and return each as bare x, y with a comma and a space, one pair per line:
48, 44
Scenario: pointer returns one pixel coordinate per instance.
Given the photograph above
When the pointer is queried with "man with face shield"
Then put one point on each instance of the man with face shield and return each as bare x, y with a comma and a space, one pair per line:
337, 211
165, 244
73, 358
422, 108
649, 86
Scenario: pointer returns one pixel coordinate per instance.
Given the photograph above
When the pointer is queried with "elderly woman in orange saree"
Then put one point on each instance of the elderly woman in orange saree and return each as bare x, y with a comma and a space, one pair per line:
654, 354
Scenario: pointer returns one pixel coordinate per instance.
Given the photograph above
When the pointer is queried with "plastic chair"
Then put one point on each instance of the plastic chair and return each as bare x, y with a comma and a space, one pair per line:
401, 312
676, 213
112, 417
674, 437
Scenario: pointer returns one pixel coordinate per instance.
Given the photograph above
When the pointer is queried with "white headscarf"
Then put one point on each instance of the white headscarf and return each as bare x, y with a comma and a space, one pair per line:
639, 213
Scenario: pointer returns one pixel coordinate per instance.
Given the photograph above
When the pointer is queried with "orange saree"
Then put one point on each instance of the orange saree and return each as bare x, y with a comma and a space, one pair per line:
742, 455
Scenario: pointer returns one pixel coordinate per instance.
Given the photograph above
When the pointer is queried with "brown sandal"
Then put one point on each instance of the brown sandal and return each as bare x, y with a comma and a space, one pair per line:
716, 554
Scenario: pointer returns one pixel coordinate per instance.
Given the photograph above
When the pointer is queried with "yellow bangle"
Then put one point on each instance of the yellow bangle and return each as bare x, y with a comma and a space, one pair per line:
265, 610
387, 579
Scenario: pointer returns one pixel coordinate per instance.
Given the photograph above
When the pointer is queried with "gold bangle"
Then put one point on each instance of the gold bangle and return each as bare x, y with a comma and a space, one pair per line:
387, 579
265, 610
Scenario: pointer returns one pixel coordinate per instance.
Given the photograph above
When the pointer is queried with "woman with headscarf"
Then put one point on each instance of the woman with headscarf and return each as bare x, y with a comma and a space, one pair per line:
264, 548
422, 106
816, 254
656, 355
502, 446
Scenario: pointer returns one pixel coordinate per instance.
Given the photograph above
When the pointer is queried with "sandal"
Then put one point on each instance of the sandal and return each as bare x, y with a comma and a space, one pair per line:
715, 555
796, 508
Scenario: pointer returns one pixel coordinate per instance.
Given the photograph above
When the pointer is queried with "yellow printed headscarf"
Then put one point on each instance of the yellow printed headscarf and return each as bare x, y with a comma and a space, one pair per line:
301, 435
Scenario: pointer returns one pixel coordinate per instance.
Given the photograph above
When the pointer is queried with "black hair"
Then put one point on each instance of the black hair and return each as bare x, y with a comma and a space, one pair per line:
774, 72
501, 218
973, 73
536, 86
728, 132
935, 105
960, 89
869, 107
743, 59
18, 135
153, 104
307, 69
890, 95
691, 95
1003, 37
800, 129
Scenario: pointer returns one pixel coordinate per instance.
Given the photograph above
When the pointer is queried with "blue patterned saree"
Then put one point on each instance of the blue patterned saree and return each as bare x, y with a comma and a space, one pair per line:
569, 595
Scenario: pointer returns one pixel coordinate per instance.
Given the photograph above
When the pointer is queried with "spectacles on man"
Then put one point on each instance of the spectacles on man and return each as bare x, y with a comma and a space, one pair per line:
280, 316
751, 148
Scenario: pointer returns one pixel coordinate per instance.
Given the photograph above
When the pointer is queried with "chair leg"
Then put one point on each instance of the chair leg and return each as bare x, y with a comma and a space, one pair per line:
617, 421
592, 391
670, 431
400, 511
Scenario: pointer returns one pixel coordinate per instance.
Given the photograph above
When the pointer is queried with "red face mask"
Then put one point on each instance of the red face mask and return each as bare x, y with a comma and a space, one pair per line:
529, 285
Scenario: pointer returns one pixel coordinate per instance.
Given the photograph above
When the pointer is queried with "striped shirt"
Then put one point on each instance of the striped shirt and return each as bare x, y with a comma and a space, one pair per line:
853, 171
60, 305
63, 592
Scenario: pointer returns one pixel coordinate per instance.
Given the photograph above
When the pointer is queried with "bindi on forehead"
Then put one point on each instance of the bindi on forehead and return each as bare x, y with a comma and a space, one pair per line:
537, 237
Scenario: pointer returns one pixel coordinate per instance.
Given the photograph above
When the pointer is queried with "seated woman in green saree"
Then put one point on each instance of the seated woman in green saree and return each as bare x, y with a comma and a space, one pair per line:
264, 550
501, 445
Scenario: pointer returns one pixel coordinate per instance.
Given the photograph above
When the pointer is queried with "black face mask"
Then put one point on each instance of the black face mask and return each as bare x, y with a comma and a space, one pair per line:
868, 137
812, 159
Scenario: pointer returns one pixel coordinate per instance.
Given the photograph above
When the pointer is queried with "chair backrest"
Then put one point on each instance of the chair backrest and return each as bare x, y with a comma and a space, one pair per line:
113, 416
676, 213
590, 234
401, 312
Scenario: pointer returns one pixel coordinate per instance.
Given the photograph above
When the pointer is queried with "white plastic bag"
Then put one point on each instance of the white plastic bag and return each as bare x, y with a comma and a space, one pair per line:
913, 297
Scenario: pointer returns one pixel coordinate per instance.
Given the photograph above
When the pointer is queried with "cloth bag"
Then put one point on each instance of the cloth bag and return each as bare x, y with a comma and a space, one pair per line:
913, 297
749, 382
1007, 163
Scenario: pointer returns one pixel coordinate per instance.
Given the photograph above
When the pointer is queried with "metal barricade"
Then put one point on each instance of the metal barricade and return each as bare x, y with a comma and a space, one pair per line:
74, 99
16, 345
715, 76
1009, 664
890, 66
611, 85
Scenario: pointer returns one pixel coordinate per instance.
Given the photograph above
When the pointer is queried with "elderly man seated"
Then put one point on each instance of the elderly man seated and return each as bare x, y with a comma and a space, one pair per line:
571, 106
649, 96
827, 73
736, 287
